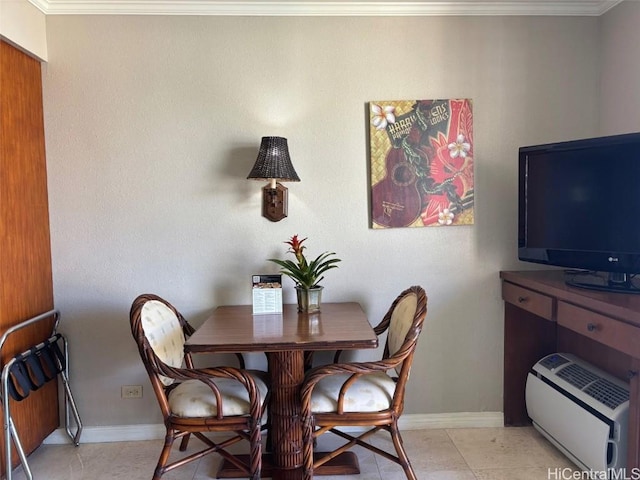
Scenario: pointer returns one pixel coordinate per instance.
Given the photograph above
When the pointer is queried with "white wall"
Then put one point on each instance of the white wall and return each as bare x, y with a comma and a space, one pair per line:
22, 24
620, 73
153, 123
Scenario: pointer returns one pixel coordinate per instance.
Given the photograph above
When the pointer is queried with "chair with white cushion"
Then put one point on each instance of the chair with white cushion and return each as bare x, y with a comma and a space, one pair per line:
365, 394
194, 401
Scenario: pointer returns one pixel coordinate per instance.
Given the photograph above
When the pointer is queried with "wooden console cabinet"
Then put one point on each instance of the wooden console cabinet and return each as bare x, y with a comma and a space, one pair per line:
543, 315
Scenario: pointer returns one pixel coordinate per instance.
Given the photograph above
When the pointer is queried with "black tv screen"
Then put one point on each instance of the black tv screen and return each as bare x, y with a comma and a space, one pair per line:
579, 206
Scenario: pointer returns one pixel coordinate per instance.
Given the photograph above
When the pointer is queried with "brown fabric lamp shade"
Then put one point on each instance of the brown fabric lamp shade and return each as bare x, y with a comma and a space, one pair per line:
273, 161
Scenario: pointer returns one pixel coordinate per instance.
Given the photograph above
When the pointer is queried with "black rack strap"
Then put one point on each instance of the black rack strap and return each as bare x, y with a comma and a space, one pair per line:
18, 381
48, 361
34, 369
54, 349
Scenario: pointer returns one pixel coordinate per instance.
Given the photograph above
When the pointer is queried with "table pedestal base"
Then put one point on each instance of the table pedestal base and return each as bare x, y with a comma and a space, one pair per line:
344, 464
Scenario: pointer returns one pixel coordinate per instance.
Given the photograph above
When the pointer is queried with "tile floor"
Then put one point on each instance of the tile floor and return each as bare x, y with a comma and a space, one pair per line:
436, 454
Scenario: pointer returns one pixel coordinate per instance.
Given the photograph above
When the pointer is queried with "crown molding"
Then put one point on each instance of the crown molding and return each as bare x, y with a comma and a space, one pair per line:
325, 8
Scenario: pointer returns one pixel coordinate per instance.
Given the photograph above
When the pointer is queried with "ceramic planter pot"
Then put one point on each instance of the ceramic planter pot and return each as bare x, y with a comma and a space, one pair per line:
309, 299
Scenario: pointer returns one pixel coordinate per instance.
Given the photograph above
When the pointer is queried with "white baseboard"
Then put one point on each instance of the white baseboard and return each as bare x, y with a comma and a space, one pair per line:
128, 433
113, 433
451, 420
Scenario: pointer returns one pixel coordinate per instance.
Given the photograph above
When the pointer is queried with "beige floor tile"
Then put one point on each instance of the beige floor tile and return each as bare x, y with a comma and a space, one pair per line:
457, 454
208, 467
373, 475
513, 474
428, 451
490, 448
363, 476
137, 462
102, 461
366, 459
87, 461
446, 475
559, 459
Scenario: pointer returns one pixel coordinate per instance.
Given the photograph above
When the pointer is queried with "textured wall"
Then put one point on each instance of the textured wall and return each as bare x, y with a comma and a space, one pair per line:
153, 123
620, 73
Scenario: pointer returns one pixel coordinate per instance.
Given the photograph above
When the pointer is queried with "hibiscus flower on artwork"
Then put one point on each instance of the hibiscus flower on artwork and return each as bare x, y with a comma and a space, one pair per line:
421, 163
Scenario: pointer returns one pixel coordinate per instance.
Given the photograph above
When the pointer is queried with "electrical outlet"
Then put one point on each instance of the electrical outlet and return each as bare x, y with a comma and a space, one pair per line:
131, 391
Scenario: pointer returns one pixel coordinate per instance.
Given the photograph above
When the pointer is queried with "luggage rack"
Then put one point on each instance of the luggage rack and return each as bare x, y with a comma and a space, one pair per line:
29, 371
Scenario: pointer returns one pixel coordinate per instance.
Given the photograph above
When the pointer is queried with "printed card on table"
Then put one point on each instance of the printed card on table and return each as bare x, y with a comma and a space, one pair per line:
267, 294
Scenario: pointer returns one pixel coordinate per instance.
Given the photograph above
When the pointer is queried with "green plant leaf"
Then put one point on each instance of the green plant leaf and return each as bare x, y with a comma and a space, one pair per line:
307, 274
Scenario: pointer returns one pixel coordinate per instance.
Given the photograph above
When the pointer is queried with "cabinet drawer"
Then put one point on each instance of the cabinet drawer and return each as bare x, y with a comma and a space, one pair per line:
534, 302
603, 329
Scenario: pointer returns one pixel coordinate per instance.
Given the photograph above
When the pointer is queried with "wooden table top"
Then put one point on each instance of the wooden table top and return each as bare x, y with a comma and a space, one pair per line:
339, 326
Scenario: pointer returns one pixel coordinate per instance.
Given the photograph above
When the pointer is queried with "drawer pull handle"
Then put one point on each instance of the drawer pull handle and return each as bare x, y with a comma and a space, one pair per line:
522, 299
592, 327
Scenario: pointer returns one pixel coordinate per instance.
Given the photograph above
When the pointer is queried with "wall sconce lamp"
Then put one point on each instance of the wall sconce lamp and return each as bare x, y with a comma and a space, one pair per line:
274, 164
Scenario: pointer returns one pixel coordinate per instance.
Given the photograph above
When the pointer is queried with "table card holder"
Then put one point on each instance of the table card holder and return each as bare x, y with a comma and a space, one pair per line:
267, 294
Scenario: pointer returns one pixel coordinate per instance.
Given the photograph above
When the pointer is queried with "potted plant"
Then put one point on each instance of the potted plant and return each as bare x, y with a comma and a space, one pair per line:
306, 274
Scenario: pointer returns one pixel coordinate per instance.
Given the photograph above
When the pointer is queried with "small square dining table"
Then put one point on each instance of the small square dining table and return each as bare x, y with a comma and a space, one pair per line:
285, 338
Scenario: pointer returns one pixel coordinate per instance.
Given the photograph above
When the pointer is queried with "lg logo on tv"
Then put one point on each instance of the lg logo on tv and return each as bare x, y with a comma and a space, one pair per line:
613, 259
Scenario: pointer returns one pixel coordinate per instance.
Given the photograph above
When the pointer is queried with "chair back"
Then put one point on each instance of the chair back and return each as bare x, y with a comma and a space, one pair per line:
159, 331
404, 322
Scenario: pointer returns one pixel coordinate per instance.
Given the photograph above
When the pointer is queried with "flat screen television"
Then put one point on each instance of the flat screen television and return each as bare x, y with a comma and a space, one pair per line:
579, 207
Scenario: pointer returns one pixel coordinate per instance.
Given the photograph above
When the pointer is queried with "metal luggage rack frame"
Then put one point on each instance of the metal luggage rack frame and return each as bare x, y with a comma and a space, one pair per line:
29, 371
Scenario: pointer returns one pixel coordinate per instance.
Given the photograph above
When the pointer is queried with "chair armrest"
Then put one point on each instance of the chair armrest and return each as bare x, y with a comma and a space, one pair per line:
317, 373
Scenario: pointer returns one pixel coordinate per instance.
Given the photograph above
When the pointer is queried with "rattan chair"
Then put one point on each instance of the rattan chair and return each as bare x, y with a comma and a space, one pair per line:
364, 394
194, 401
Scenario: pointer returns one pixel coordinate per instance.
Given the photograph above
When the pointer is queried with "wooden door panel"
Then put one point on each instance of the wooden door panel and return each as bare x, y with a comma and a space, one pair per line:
26, 288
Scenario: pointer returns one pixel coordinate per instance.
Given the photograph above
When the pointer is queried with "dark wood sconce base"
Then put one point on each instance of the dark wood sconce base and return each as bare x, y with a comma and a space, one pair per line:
274, 202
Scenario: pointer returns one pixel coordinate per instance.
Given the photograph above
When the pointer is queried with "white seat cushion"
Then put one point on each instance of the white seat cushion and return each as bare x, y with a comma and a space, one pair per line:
195, 399
370, 393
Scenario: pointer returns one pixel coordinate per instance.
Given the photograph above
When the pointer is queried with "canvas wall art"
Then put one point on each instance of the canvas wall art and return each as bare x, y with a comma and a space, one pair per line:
421, 154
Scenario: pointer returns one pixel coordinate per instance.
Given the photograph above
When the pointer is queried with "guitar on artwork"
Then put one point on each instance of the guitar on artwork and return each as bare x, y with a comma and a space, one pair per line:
396, 201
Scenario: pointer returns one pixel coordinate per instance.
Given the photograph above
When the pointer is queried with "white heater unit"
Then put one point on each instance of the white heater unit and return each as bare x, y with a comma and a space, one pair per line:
582, 410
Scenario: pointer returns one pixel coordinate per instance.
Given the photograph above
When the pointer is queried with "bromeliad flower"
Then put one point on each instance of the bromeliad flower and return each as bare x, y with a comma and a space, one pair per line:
297, 248
382, 116
445, 217
304, 273
459, 148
